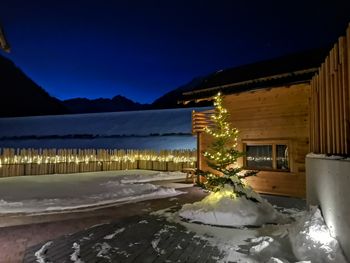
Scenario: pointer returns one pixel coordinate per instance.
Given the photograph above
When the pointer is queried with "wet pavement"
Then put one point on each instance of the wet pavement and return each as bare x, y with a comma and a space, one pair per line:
136, 239
124, 233
37, 229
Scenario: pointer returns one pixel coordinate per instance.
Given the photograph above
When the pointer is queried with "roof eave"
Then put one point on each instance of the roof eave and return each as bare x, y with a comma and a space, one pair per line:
290, 78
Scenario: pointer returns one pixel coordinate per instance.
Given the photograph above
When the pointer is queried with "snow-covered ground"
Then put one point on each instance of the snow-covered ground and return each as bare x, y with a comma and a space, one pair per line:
48, 193
305, 239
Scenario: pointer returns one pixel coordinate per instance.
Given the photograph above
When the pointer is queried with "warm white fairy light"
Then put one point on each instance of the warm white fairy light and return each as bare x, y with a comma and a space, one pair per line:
185, 157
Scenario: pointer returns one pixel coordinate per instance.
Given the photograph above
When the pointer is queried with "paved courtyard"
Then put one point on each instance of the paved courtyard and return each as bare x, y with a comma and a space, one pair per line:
136, 239
126, 233
22, 233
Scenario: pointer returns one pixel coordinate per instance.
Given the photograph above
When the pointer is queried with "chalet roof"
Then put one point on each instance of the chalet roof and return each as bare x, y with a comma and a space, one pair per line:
286, 70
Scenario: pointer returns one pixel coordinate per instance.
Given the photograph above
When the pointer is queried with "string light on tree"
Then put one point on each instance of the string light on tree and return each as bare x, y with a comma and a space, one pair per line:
222, 156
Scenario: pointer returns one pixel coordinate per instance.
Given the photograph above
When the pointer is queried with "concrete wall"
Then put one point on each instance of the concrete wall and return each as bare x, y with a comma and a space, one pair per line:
328, 185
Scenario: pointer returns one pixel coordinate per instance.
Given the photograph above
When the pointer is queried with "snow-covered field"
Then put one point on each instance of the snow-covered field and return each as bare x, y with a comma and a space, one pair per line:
49, 193
111, 123
152, 129
141, 143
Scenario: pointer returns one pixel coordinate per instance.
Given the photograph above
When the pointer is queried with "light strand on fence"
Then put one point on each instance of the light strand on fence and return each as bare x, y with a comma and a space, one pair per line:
69, 157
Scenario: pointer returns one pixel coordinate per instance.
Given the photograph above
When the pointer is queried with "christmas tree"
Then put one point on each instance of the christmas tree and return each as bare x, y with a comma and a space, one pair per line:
222, 156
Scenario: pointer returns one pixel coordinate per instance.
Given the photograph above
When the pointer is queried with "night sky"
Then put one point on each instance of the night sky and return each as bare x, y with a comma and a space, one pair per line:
142, 49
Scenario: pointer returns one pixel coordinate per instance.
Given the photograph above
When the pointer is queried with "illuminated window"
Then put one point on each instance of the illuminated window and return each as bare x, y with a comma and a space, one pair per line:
267, 156
259, 156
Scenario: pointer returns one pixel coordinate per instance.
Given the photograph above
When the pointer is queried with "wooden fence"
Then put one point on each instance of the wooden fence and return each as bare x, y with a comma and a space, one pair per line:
330, 105
57, 161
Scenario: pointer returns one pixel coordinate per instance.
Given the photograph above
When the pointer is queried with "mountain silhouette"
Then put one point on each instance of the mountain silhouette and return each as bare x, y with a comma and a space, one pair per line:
20, 96
117, 103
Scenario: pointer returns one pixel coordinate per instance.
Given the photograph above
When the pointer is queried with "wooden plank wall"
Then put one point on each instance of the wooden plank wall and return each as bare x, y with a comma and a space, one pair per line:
18, 162
270, 115
330, 102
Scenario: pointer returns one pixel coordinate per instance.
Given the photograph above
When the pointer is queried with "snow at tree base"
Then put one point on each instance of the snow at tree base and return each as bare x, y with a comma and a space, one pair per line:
231, 202
220, 208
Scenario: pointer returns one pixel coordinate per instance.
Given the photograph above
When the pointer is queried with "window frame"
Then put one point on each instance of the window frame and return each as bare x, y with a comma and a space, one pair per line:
274, 144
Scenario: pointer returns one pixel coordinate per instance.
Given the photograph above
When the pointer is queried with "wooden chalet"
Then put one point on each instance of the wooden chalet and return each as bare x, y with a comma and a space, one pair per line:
269, 102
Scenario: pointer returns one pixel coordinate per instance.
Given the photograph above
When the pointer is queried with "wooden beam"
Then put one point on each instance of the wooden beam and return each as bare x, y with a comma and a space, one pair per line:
312, 118
347, 89
336, 103
321, 99
328, 107
341, 104
317, 128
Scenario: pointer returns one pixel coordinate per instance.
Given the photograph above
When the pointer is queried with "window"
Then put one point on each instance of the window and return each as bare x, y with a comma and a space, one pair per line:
259, 156
267, 156
282, 157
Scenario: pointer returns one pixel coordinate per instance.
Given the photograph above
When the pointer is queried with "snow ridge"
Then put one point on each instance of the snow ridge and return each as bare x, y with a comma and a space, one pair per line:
118, 231
41, 253
75, 257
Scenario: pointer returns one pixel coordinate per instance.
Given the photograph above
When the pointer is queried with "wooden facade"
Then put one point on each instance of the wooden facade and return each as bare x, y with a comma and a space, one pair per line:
269, 116
308, 115
330, 102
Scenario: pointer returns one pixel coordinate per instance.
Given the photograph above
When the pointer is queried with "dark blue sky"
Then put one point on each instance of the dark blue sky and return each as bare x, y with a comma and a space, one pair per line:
142, 49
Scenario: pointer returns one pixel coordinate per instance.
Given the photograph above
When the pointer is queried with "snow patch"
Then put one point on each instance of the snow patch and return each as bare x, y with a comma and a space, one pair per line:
157, 236
103, 250
41, 253
156, 177
133, 244
4, 203
311, 239
178, 246
118, 231
154, 244
278, 260
75, 257
324, 156
263, 242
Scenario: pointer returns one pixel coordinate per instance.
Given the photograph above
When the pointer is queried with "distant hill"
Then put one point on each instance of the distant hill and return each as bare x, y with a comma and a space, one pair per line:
117, 103
20, 96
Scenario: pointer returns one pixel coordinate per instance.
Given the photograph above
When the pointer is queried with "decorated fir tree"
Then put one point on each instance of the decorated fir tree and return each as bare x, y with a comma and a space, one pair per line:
222, 156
